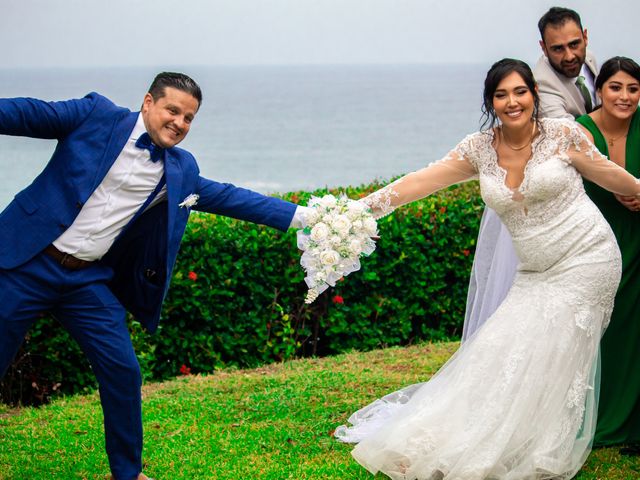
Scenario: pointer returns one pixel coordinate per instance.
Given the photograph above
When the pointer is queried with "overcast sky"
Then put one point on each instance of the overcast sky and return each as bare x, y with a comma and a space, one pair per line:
160, 33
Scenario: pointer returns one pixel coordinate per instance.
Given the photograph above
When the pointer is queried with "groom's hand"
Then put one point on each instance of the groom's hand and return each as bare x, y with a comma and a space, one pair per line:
632, 203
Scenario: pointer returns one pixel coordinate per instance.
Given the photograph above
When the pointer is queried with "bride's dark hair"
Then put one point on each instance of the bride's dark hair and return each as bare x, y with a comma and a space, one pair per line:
496, 73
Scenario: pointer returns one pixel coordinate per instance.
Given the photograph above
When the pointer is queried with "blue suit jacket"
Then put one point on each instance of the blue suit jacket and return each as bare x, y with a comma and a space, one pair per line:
91, 133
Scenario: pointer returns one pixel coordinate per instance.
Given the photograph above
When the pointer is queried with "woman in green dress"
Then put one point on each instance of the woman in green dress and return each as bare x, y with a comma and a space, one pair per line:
615, 130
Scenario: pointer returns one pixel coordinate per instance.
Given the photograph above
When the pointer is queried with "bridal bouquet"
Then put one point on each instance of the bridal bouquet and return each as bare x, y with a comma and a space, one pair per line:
336, 232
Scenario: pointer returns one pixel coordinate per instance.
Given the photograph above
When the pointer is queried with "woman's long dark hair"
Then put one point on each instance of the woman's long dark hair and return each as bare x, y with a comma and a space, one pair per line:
615, 65
495, 75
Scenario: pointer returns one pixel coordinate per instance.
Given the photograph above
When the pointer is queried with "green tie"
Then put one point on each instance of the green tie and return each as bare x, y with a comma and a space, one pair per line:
585, 93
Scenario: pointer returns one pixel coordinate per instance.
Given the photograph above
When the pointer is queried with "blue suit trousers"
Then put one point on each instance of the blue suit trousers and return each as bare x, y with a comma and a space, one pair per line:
81, 301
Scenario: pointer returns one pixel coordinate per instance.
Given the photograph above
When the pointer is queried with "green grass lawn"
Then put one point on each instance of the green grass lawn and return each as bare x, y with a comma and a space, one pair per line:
269, 423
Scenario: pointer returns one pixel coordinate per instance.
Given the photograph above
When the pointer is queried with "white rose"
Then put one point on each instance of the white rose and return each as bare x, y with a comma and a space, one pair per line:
329, 217
335, 240
329, 257
327, 201
355, 247
358, 225
319, 232
341, 224
355, 209
311, 216
370, 226
313, 201
357, 206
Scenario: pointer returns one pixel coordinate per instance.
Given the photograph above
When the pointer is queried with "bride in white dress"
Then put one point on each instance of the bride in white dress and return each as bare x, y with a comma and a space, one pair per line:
518, 399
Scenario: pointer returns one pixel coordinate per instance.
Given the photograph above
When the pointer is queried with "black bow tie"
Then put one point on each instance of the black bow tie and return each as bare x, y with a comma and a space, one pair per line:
145, 143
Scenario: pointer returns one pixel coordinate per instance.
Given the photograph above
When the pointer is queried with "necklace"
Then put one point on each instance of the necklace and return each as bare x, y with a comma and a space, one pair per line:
612, 140
609, 138
517, 149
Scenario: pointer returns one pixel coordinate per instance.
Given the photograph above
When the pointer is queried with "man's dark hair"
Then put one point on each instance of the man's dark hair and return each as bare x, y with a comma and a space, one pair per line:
179, 81
558, 16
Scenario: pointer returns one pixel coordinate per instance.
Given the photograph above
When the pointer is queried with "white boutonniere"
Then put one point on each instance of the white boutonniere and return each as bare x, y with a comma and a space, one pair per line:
190, 201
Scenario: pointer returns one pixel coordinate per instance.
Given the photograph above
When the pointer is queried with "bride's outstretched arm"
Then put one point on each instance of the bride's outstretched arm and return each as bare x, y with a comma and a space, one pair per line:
452, 169
594, 166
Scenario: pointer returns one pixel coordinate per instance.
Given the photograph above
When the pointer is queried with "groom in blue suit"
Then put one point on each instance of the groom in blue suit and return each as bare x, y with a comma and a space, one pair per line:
98, 232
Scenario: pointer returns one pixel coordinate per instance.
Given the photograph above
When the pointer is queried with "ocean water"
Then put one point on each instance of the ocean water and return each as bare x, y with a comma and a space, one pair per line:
280, 128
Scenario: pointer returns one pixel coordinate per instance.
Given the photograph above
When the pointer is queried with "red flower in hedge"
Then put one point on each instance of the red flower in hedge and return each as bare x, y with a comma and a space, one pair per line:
184, 370
443, 209
193, 276
338, 299
466, 252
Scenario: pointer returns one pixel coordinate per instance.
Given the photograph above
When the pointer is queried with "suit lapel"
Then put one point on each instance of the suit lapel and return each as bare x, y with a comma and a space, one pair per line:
570, 89
122, 128
567, 88
173, 172
591, 65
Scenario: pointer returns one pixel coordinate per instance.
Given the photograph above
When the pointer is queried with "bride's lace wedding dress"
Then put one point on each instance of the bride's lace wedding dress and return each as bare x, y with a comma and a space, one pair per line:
518, 400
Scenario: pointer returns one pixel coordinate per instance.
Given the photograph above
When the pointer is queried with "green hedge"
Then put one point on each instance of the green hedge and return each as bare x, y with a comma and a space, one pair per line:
236, 298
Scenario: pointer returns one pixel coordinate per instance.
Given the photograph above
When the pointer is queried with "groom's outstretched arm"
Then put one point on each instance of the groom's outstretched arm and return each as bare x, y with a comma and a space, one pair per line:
30, 117
231, 201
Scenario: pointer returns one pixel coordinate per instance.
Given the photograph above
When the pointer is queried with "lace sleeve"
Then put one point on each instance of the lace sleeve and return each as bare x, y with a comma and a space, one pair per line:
454, 168
594, 166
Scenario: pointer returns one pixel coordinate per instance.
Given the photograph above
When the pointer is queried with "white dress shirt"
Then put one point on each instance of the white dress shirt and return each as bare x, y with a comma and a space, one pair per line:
125, 188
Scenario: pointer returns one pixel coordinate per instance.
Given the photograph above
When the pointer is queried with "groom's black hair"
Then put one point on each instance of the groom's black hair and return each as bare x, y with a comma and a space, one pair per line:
179, 81
558, 16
